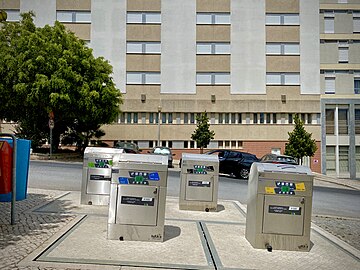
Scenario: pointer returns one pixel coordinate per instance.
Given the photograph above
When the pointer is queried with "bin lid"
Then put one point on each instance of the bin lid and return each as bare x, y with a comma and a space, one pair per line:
200, 157
140, 158
102, 150
282, 168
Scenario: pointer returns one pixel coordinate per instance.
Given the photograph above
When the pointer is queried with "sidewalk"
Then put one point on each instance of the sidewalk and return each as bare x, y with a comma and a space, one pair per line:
53, 231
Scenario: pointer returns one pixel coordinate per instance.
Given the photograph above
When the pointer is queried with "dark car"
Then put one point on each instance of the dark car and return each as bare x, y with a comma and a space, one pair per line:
280, 159
234, 163
161, 150
128, 147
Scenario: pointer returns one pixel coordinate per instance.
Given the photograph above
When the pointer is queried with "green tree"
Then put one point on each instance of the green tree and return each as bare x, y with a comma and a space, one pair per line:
49, 69
202, 134
300, 143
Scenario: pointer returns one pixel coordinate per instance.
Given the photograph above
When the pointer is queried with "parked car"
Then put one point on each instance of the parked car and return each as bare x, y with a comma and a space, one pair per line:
234, 163
128, 147
161, 150
281, 159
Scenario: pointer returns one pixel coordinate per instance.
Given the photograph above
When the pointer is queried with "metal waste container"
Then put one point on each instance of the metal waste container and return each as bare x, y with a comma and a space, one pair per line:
279, 207
96, 175
137, 197
199, 182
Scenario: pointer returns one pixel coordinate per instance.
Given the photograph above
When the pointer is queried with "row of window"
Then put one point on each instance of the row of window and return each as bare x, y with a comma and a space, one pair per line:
329, 22
330, 84
341, 126
213, 78
211, 18
215, 118
213, 48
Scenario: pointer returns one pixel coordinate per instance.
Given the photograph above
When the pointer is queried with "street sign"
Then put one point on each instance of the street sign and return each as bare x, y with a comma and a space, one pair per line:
51, 124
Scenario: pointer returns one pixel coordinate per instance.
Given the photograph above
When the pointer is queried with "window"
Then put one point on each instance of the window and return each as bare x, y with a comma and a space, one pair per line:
213, 18
282, 19
227, 118
13, 15
192, 118
329, 22
163, 118
290, 118
262, 118
170, 118
268, 118
221, 118
282, 49
143, 77
274, 118
329, 85
282, 78
239, 118
213, 48
186, 118
128, 116
144, 17
343, 121
357, 121
343, 53
213, 78
73, 16
151, 118
330, 159
143, 47
255, 118
136, 118
343, 159
330, 121
357, 85
233, 118
356, 22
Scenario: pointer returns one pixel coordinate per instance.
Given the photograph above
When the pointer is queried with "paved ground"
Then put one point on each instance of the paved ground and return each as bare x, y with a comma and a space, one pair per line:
33, 229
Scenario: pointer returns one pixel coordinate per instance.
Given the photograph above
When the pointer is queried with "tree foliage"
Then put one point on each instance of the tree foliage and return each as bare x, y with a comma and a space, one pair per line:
202, 134
300, 143
49, 70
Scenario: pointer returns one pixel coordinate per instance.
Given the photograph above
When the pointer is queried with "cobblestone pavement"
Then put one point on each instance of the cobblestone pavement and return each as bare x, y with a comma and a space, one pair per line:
347, 229
30, 229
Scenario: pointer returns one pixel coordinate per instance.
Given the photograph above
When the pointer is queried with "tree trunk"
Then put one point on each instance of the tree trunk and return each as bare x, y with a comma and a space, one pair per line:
201, 150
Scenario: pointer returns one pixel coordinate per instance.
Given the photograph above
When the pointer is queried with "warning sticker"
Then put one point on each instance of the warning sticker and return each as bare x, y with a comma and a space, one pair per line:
269, 190
300, 186
199, 184
145, 201
99, 177
287, 210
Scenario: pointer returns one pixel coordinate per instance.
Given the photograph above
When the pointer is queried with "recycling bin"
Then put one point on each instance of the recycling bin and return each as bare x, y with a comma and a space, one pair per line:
137, 197
96, 175
279, 207
22, 169
6, 166
199, 182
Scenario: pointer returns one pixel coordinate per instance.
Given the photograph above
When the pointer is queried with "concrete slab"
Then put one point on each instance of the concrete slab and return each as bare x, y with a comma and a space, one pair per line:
228, 211
86, 243
231, 250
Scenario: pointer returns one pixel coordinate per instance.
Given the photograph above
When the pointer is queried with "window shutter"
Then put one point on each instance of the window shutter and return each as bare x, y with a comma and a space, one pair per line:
356, 25
330, 85
343, 55
329, 25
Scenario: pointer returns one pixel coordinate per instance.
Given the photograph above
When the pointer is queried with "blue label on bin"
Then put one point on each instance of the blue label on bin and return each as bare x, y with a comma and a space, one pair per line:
123, 180
154, 176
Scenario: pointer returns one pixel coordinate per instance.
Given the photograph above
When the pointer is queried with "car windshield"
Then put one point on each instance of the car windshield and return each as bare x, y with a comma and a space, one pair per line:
162, 151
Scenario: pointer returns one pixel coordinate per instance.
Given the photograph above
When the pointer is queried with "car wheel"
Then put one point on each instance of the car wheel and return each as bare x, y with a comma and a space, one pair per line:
244, 173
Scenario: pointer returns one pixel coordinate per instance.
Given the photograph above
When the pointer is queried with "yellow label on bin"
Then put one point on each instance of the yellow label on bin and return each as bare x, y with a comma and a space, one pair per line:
300, 186
269, 190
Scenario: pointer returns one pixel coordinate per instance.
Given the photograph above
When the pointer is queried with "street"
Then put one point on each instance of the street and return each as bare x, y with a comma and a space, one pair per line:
67, 176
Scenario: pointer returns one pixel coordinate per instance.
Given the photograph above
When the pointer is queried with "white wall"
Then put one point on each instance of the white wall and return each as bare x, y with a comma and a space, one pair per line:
178, 47
248, 62
309, 47
108, 36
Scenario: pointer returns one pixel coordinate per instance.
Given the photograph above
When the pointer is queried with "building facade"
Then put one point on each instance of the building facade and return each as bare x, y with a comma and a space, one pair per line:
340, 87
250, 64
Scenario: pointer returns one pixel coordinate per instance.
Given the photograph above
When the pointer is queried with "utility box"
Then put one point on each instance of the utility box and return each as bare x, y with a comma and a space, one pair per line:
96, 175
279, 207
199, 182
137, 197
